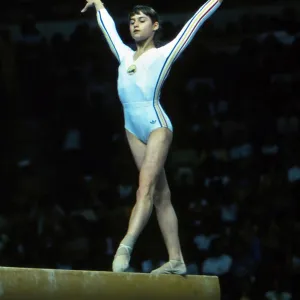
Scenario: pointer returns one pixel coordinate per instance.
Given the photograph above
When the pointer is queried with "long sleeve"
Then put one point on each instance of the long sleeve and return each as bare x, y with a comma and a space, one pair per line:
174, 48
108, 27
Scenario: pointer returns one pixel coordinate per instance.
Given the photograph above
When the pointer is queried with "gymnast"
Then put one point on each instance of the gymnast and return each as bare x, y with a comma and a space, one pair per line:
149, 131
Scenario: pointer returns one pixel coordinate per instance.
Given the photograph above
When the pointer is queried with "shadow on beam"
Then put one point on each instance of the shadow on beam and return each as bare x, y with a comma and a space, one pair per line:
42, 284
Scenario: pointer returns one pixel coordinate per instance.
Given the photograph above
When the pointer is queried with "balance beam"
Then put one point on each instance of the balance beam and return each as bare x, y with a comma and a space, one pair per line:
33, 284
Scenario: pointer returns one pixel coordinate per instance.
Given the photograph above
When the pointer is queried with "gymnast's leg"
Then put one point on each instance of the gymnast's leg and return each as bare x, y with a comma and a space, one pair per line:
153, 187
168, 224
151, 160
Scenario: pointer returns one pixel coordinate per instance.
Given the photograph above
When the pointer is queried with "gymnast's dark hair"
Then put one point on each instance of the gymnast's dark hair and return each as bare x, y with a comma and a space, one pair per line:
152, 14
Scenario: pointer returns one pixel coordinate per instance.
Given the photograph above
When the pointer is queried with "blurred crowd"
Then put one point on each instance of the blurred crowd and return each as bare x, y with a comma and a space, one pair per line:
12, 11
69, 181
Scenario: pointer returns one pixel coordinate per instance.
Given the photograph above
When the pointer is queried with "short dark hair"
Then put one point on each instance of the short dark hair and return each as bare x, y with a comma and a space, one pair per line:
147, 10
152, 14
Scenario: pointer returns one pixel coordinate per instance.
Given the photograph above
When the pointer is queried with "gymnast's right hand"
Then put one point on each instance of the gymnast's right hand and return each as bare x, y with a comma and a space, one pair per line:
97, 3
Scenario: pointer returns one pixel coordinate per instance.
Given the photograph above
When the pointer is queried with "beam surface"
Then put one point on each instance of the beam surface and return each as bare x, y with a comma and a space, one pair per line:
42, 284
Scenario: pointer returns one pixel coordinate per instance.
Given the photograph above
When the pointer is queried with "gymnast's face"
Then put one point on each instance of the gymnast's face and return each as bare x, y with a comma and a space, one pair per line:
141, 27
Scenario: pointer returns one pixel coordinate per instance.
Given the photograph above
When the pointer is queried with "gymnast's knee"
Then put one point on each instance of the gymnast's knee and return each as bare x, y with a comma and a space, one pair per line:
145, 192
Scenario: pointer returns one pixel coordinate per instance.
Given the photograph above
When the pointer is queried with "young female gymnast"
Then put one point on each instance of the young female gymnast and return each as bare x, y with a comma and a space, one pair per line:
149, 131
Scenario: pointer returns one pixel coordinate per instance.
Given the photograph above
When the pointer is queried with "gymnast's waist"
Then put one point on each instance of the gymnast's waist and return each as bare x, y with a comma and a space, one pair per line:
137, 104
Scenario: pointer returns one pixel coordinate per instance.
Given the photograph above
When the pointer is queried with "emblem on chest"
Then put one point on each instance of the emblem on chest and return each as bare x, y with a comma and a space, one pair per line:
131, 70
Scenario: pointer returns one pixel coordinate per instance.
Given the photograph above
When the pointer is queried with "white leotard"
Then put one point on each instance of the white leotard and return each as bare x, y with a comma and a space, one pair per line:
140, 81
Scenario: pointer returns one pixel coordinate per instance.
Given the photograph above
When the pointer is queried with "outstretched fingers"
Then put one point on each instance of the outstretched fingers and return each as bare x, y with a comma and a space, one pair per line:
89, 4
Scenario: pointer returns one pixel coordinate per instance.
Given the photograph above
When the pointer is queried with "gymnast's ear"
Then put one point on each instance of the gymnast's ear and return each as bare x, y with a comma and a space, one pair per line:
155, 26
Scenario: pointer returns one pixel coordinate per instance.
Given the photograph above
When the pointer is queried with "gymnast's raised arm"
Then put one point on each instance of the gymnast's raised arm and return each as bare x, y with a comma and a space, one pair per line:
108, 27
174, 48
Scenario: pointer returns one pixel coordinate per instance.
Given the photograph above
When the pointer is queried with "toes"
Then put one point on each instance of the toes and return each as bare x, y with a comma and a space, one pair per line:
120, 263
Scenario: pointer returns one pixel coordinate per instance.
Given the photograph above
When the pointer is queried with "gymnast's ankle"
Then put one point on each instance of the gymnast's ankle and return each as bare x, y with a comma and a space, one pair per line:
129, 240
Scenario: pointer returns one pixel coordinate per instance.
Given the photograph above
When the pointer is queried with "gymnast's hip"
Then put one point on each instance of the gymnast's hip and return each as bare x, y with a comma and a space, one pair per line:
141, 118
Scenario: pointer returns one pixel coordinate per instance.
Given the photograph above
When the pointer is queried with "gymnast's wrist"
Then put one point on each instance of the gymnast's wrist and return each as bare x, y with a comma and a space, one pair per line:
99, 5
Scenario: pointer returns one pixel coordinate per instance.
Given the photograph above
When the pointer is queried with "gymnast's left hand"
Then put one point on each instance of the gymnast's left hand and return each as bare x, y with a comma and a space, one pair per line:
97, 3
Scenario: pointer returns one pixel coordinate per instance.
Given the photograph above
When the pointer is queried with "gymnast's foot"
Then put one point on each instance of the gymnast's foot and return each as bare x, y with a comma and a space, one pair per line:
122, 259
171, 267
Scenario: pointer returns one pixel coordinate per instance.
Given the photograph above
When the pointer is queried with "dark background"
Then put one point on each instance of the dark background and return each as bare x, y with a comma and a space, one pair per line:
68, 178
